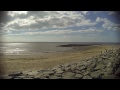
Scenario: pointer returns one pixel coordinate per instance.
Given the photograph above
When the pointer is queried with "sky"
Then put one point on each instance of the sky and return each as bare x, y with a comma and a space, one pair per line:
60, 26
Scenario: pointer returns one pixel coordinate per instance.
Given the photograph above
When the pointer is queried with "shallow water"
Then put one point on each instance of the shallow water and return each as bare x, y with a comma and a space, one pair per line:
35, 48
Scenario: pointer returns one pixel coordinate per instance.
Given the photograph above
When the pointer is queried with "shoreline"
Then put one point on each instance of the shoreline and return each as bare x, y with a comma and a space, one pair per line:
16, 63
103, 66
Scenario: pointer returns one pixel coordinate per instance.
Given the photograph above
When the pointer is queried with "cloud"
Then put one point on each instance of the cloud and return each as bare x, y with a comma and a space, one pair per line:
59, 32
107, 24
111, 12
36, 20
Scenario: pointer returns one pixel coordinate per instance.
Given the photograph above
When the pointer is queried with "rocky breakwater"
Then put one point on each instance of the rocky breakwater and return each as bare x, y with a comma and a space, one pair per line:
104, 66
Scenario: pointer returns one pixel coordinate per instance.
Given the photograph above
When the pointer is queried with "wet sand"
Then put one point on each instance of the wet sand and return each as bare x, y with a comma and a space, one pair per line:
15, 63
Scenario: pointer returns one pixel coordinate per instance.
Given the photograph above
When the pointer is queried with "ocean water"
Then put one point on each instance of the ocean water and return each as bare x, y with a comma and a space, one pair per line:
35, 48
31, 48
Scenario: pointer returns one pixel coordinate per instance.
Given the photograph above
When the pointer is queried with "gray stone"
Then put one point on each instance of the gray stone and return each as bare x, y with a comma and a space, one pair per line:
93, 65
109, 65
77, 71
48, 73
43, 77
54, 77
109, 71
59, 75
90, 69
79, 76
109, 77
67, 69
82, 68
73, 67
99, 60
117, 71
59, 71
87, 77
86, 73
95, 75
7, 77
68, 75
15, 74
98, 67
39, 75
106, 61
82, 71
28, 78
32, 73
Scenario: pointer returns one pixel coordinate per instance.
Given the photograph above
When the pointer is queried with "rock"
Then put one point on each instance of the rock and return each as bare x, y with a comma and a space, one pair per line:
73, 67
28, 78
109, 71
7, 77
59, 71
99, 60
82, 68
82, 71
86, 73
59, 75
15, 74
43, 77
87, 77
95, 75
38, 76
54, 77
98, 67
67, 69
78, 76
109, 77
32, 73
90, 69
77, 71
48, 73
117, 72
109, 65
93, 65
68, 75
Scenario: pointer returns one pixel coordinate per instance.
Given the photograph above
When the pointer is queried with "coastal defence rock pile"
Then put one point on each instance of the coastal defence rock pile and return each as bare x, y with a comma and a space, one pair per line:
104, 66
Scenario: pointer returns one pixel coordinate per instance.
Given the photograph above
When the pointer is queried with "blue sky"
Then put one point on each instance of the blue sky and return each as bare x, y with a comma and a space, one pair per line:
61, 26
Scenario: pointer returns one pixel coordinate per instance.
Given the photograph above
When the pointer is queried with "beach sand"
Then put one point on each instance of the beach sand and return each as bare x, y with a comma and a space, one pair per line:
16, 63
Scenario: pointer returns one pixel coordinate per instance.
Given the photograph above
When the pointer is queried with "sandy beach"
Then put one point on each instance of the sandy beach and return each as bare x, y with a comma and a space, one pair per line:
15, 63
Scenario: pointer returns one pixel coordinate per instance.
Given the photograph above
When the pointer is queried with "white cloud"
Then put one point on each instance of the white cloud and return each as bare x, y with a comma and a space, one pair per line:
15, 13
111, 12
58, 32
107, 24
36, 20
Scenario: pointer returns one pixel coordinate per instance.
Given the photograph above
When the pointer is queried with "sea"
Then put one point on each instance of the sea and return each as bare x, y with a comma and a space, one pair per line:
28, 48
